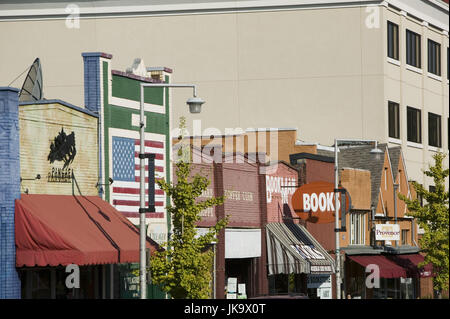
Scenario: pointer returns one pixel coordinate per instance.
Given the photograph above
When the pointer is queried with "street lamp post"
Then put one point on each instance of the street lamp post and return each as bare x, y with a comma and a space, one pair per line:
337, 229
195, 104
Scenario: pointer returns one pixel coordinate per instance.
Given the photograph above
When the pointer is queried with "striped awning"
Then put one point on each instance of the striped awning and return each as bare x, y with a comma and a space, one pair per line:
292, 249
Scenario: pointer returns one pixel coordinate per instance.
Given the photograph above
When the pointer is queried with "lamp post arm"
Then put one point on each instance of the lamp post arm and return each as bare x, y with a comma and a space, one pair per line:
171, 85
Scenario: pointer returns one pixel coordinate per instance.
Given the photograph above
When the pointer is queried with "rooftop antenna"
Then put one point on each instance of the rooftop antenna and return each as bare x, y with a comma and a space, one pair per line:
32, 86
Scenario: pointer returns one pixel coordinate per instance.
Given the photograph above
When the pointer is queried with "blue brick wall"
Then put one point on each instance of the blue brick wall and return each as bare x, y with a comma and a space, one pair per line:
92, 98
9, 190
92, 81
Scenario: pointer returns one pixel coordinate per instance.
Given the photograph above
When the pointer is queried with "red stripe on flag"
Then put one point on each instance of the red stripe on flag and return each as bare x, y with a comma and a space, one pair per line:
138, 179
157, 168
150, 144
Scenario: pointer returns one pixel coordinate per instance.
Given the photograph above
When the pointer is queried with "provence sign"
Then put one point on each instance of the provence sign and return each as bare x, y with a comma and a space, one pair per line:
315, 203
387, 232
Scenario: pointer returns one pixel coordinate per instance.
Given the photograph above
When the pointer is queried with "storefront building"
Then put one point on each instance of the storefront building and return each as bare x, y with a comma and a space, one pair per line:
309, 267
263, 250
53, 158
115, 97
375, 210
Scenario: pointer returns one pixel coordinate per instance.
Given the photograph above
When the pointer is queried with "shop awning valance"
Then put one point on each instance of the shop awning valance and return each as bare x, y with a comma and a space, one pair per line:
292, 249
388, 269
53, 230
410, 262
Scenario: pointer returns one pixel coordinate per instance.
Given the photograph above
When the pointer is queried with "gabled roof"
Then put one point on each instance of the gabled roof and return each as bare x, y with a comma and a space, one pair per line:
360, 157
394, 155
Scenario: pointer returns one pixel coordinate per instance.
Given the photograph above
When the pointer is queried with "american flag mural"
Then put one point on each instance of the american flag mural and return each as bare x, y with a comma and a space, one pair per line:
126, 175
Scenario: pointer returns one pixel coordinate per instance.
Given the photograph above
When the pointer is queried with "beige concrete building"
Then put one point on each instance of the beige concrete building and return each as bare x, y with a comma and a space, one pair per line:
322, 66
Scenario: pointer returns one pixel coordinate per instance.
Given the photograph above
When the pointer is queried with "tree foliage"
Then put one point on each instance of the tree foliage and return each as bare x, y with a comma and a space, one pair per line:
184, 269
433, 217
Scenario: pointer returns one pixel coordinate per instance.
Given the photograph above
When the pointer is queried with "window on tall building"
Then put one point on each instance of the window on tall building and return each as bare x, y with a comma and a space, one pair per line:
414, 125
357, 229
413, 51
434, 130
394, 120
434, 57
392, 37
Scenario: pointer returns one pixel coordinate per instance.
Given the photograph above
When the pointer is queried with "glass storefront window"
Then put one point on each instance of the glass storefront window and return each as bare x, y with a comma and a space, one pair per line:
395, 288
391, 288
41, 284
286, 284
407, 288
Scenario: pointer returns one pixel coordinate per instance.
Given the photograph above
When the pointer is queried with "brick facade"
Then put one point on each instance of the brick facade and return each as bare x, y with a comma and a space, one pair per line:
9, 190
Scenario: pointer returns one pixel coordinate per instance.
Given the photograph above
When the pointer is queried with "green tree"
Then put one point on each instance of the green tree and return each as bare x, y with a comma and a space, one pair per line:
184, 268
433, 217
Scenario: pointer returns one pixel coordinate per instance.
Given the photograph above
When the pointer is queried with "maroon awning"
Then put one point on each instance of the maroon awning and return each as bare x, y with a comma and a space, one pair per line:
388, 269
411, 263
53, 230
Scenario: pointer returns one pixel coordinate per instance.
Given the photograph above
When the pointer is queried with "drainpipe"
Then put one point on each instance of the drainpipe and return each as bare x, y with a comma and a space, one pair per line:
413, 232
395, 208
372, 209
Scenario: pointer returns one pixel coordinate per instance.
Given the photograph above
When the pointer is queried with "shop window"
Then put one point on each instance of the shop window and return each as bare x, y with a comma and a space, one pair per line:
282, 284
407, 288
413, 51
394, 120
405, 236
434, 130
357, 229
392, 37
414, 125
434, 57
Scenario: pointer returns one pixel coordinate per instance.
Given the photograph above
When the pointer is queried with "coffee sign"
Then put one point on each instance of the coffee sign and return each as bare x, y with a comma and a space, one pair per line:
315, 202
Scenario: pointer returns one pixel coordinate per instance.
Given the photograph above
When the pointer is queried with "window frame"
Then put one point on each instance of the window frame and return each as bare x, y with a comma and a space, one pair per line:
395, 108
437, 135
413, 49
393, 41
358, 235
434, 58
418, 128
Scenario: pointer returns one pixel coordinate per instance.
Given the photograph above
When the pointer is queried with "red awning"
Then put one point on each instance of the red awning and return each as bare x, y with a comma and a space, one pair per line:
56, 230
411, 263
388, 269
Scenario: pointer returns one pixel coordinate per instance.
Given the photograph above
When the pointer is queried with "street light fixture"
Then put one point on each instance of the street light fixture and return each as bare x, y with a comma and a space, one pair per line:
195, 104
337, 229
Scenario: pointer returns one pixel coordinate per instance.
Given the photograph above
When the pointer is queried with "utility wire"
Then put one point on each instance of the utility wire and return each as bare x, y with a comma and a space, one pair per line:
20, 75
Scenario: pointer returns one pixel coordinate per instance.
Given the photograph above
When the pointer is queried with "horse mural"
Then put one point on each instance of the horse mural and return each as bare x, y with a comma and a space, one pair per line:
63, 148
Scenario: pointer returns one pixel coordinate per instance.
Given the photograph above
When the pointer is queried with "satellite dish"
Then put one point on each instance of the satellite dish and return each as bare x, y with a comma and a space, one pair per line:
32, 86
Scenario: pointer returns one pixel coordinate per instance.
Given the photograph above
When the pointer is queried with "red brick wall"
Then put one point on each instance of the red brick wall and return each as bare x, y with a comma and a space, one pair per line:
279, 199
241, 189
319, 171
